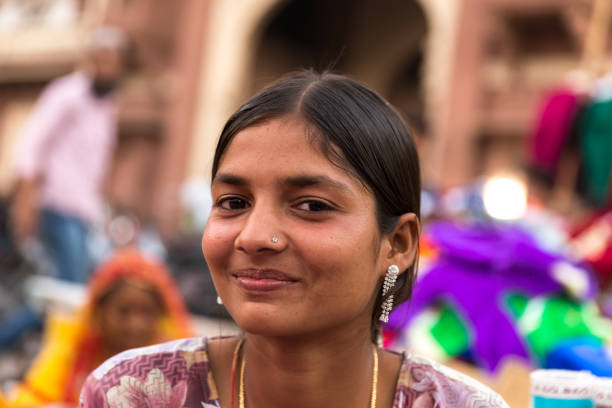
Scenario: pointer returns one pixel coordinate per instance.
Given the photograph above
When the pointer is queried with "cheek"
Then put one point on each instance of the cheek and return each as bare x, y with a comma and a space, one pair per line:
214, 241
109, 322
343, 259
217, 246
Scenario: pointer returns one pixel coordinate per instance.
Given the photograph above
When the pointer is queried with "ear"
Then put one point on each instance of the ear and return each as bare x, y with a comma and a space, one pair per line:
403, 242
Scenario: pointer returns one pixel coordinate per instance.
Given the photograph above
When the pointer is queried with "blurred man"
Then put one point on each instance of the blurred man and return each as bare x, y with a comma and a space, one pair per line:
64, 154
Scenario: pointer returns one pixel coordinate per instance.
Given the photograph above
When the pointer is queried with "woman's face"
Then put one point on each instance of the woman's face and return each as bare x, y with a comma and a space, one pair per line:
128, 318
322, 273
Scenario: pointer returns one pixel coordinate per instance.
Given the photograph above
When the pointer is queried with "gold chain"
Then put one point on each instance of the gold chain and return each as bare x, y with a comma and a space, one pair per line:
242, 393
374, 377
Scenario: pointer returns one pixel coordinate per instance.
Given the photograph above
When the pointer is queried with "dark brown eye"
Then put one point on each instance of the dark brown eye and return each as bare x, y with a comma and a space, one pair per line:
233, 203
314, 206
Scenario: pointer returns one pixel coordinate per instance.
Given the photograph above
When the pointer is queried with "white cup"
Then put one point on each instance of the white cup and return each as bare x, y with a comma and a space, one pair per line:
561, 389
602, 392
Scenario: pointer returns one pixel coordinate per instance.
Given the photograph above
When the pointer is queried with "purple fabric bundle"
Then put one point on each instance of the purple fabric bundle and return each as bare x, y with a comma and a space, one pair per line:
477, 266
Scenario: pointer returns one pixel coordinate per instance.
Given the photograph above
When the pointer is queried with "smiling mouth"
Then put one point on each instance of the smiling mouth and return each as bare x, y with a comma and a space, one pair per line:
263, 280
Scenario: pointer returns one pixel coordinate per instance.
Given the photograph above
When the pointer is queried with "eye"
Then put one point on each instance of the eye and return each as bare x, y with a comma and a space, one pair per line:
232, 203
314, 206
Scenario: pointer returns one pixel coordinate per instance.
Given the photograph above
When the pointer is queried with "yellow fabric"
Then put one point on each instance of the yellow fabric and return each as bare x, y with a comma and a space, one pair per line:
3, 403
46, 379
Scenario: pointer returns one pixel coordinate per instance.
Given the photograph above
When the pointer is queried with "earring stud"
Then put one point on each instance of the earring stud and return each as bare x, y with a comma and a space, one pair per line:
274, 239
390, 279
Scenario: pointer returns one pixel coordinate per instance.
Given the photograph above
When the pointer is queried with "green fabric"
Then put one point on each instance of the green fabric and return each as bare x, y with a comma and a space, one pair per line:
596, 145
451, 332
547, 322
517, 304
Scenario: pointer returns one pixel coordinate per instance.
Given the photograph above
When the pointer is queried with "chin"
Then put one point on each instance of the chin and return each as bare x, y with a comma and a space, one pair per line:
265, 321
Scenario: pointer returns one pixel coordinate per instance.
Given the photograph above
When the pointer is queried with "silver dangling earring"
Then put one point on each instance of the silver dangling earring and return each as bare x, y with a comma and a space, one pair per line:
219, 300
389, 282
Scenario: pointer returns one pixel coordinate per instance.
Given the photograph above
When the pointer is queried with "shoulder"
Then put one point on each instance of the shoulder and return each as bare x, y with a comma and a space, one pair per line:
174, 372
433, 384
67, 87
134, 358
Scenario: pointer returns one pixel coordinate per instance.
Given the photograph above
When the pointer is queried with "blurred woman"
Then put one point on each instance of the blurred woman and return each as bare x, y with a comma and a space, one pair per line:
311, 241
132, 302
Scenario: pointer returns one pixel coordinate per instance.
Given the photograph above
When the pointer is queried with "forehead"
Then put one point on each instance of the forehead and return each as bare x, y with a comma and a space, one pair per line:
132, 293
274, 138
278, 147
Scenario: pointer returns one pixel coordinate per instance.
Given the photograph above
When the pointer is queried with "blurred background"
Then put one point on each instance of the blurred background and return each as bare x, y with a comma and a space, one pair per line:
508, 101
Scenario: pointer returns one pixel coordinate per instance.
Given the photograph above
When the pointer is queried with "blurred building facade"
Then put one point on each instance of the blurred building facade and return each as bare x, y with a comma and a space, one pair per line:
467, 74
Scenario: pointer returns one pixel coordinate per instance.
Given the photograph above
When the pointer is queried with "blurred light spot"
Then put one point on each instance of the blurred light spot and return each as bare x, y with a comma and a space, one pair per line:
505, 198
122, 230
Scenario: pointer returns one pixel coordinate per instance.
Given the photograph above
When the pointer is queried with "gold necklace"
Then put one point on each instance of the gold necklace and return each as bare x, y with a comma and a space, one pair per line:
242, 393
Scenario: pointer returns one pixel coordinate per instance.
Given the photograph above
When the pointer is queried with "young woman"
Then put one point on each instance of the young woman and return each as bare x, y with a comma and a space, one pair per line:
132, 302
312, 239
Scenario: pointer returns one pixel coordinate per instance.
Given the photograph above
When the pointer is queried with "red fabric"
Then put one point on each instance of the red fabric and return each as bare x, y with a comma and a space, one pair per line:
599, 226
552, 130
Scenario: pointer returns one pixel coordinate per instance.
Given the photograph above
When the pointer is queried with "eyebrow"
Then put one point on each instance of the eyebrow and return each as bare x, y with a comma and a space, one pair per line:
325, 181
230, 179
294, 181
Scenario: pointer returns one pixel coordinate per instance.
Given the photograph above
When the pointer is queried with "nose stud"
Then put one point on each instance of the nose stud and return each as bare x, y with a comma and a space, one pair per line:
274, 239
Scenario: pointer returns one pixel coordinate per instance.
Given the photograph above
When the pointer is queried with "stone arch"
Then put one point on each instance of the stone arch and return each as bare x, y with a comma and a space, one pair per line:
357, 37
250, 45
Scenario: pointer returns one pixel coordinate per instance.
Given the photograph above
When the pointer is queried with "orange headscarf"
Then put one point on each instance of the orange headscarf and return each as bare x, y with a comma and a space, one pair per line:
127, 264
130, 264
73, 346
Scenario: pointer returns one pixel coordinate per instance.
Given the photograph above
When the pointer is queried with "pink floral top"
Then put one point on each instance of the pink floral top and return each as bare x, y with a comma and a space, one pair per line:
178, 375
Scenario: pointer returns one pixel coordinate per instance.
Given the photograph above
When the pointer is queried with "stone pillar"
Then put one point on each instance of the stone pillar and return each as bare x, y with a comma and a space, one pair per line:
227, 58
458, 125
181, 108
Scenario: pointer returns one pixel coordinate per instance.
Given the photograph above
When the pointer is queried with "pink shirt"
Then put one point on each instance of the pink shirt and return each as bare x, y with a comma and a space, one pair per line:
178, 374
68, 141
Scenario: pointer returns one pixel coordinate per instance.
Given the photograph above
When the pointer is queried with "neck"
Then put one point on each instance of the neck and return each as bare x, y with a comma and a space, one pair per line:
309, 371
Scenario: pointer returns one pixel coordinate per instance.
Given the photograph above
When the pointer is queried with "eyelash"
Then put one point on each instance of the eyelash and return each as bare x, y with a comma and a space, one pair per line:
224, 200
325, 206
322, 206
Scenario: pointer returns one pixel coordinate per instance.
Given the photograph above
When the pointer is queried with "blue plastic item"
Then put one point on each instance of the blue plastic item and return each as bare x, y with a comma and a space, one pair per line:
581, 354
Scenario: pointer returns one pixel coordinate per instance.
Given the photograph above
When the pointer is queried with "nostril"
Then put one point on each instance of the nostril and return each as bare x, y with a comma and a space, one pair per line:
258, 243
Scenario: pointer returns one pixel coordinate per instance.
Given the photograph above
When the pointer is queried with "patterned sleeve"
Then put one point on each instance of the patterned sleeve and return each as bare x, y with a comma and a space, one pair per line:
176, 374
91, 394
424, 383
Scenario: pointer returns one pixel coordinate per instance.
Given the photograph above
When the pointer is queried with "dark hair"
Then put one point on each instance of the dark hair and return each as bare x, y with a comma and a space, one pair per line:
359, 131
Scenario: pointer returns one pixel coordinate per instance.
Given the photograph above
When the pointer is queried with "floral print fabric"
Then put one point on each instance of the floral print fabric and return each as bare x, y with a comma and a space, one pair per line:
178, 375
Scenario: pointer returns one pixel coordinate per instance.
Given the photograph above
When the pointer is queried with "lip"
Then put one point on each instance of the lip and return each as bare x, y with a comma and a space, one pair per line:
263, 280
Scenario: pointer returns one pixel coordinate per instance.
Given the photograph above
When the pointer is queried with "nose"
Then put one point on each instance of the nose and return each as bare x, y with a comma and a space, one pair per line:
139, 327
261, 231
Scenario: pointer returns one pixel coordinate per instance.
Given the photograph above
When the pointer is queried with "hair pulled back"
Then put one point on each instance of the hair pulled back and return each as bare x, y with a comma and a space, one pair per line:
358, 131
